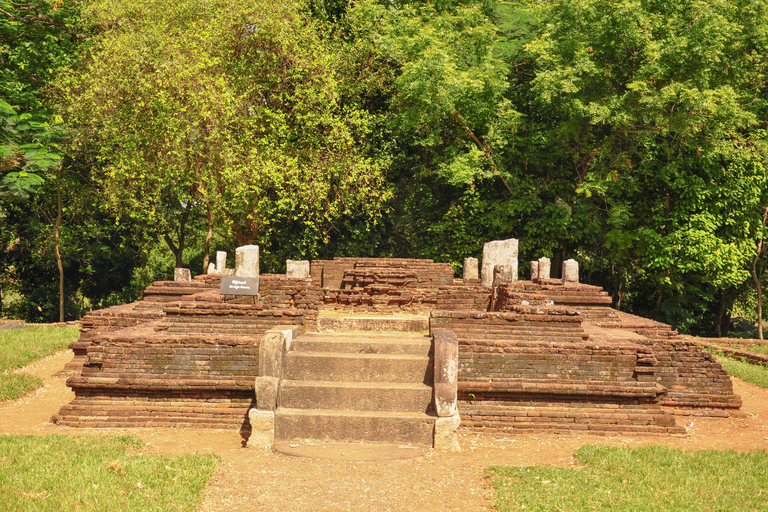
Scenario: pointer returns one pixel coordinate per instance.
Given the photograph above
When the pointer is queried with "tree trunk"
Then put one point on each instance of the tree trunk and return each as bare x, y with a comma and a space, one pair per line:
178, 251
208, 237
756, 279
56, 228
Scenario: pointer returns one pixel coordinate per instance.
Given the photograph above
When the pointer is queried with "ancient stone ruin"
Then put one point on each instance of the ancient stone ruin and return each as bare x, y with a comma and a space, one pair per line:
319, 354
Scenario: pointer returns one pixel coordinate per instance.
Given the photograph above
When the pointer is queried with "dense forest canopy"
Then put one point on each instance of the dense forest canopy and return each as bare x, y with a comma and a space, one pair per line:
139, 135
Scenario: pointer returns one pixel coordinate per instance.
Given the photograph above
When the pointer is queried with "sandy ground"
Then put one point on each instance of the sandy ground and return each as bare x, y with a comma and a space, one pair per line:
252, 478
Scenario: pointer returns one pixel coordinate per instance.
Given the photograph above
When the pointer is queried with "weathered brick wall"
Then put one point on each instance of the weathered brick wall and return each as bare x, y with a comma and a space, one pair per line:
528, 292
694, 378
352, 273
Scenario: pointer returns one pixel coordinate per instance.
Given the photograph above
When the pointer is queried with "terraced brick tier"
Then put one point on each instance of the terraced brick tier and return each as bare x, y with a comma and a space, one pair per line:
553, 416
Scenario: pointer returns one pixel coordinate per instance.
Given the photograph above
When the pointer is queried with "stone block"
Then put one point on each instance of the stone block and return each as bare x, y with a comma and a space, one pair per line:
262, 428
534, 270
471, 268
271, 351
445, 399
446, 439
211, 268
297, 269
221, 261
266, 393
446, 362
570, 272
503, 274
182, 274
498, 252
545, 268
247, 261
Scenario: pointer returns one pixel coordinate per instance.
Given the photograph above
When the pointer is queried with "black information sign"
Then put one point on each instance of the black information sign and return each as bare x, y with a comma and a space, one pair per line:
231, 285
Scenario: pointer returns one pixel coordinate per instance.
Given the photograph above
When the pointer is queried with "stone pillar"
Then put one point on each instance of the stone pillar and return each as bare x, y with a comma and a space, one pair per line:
446, 376
211, 268
534, 270
298, 269
544, 268
470, 268
182, 274
221, 261
247, 261
570, 272
498, 252
272, 349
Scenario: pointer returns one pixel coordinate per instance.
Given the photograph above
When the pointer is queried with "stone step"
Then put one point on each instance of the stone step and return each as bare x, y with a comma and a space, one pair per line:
360, 343
346, 367
411, 429
360, 396
373, 324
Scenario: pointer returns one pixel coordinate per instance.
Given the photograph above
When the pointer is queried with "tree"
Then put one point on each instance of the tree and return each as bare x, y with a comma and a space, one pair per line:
229, 107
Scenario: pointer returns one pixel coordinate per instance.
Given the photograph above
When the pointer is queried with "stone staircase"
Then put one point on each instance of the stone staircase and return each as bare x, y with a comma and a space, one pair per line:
357, 387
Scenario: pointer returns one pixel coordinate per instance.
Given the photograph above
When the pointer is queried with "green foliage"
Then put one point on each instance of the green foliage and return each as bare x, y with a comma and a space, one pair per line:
37, 38
19, 347
230, 107
96, 473
657, 108
644, 478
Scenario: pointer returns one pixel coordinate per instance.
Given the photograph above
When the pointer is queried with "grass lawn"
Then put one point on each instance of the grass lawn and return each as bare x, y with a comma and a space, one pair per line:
104, 473
19, 347
651, 478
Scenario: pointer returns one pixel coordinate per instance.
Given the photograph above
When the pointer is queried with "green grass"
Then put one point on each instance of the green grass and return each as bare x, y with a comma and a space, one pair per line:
19, 347
760, 349
651, 478
88, 473
756, 374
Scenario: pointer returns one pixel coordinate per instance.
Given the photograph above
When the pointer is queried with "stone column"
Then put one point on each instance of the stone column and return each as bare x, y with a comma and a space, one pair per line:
544, 268
534, 270
247, 261
298, 269
498, 252
470, 268
182, 274
570, 272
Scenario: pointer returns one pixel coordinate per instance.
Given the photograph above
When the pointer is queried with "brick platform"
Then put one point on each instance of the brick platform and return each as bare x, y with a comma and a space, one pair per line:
533, 355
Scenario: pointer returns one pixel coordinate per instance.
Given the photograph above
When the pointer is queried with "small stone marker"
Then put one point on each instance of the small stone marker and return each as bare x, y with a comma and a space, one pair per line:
570, 272
471, 268
221, 261
182, 274
247, 261
211, 268
544, 268
297, 269
534, 270
498, 252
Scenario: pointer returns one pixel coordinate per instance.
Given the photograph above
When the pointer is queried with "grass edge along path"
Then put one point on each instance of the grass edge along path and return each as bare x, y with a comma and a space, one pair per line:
752, 373
19, 347
105, 473
652, 478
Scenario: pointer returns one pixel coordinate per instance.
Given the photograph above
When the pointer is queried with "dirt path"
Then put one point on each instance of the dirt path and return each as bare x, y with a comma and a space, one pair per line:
250, 479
